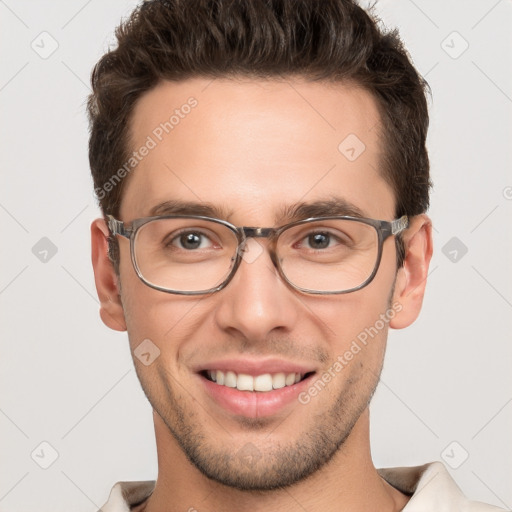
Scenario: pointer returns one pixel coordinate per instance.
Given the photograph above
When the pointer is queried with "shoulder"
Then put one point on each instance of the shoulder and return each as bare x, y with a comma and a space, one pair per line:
124, 496
431, 488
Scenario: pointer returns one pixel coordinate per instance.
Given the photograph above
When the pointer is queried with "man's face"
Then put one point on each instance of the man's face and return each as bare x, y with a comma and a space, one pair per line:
252, 149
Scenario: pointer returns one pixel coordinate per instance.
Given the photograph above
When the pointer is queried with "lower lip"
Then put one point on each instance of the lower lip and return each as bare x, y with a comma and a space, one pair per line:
254, 404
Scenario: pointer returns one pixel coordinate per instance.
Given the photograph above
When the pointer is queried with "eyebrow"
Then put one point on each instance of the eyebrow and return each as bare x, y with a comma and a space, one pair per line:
334, 206
175, 207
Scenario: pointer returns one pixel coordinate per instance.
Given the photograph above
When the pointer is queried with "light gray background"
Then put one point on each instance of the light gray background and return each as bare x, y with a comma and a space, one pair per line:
69, 381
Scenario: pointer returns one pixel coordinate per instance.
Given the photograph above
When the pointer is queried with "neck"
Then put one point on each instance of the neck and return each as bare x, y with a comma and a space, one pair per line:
349, 482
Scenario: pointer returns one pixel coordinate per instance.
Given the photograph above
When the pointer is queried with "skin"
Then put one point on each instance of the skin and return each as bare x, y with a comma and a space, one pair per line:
252, 147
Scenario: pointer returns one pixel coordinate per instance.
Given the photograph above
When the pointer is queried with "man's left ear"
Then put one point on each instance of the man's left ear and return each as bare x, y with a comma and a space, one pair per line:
412, 277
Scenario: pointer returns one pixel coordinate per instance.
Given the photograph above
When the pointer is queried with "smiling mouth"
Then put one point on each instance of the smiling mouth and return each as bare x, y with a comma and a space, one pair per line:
258, 383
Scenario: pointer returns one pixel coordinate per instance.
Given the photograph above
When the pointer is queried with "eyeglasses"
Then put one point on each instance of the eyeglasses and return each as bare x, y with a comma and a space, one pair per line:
193, 255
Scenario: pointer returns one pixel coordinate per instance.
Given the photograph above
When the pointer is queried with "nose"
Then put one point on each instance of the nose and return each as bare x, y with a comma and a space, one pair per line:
257, 302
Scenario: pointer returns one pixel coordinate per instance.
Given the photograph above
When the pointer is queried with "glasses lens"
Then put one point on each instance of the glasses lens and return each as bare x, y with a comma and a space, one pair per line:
328, 255
185, 254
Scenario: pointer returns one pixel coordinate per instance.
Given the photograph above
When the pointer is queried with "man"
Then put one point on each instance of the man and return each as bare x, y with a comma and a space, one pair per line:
263, 175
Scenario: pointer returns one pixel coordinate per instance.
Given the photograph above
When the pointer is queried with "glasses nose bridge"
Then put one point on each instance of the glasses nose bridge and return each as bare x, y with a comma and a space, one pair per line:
246, 232
252, 232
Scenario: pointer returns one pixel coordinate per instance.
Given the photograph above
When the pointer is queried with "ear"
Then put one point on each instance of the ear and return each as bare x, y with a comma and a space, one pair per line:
111, 308
412, 277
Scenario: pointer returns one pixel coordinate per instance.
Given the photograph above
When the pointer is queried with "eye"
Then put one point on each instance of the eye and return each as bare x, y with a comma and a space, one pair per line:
319, 240
191, 240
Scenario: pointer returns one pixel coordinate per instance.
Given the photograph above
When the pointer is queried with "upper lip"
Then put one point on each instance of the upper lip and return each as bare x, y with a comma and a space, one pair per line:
256, 366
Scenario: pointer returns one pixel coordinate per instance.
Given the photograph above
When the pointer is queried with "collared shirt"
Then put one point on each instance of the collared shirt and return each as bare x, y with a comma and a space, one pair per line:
430, 487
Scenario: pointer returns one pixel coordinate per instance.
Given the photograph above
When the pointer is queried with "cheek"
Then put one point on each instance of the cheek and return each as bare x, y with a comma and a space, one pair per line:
355, 326
348, 317
169, 321
357, 343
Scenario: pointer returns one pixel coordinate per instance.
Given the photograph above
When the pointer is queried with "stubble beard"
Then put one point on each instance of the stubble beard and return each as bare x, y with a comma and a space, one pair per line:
266, 465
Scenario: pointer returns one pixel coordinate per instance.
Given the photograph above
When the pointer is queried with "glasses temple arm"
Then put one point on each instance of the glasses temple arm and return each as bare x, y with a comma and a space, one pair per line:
398, 225
117, 227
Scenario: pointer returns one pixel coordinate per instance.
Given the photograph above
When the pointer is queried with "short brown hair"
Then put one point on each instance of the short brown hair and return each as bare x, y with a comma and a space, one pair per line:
330, 40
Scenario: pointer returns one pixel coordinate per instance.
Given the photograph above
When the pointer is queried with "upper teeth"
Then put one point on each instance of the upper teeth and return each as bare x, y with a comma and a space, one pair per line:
244, 382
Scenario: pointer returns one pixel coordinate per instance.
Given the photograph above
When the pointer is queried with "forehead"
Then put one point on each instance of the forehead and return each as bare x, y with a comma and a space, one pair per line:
255, 147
